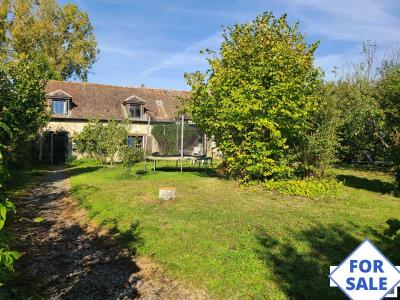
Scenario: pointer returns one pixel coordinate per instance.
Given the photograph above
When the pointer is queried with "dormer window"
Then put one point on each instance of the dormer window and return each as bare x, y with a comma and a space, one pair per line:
135, 108
60, 102
59, 107
136, 111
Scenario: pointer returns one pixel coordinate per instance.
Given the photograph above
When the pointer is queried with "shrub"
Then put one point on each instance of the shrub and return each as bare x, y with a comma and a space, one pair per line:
130, 156
393, 232
397, 180
306, 187
7, 256
101, 141
319, 145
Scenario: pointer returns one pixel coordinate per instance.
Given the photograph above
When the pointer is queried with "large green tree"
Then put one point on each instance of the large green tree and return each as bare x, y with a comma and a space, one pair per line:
62, 34
389, 91
256, 98
22, 104
39, 40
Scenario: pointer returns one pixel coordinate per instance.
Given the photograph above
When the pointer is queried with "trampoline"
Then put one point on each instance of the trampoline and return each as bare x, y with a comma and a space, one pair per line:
180, 141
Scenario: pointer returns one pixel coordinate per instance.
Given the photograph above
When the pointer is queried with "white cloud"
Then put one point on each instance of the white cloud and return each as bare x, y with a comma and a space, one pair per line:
353, 20
188, 57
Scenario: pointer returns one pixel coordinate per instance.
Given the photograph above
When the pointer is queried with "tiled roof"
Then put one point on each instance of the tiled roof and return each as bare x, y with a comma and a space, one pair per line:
105, 102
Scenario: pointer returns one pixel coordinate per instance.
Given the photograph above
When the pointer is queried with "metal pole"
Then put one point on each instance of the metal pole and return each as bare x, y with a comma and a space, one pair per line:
145, 142
177, 135
183, 119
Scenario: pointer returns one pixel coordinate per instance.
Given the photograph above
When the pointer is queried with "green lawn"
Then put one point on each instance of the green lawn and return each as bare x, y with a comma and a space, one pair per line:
239, 242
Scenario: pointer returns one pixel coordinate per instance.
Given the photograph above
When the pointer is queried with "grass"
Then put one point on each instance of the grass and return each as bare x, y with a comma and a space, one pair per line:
239, 242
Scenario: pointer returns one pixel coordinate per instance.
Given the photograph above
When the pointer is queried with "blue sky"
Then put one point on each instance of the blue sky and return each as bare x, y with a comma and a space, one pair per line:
153, 42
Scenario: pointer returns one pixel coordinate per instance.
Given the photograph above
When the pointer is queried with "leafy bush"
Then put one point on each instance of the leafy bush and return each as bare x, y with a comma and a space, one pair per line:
389, 90
71, 159
7, 256
257, 96
101, 141
306, 187
319, 144
361, 129
393, 232
130, 156
397, 180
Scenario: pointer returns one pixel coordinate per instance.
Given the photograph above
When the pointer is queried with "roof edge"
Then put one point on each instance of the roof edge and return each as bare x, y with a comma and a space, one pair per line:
118, 86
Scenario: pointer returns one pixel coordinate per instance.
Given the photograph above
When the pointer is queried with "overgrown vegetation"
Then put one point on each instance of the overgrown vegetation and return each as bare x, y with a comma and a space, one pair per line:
307, 187
7, 256
105, 142
393, 232
389, 91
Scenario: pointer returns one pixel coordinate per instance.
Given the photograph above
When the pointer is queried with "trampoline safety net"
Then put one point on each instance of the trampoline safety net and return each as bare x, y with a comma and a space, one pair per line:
169, 139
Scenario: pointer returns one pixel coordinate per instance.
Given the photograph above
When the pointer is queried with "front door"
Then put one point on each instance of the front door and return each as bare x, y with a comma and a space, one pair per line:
60, 147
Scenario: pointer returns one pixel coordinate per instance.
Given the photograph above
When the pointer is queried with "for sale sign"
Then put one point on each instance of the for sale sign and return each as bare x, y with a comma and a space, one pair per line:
365, 274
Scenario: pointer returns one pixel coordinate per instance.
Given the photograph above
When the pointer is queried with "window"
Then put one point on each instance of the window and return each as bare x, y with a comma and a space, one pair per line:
135, 141
136, 111
59, 107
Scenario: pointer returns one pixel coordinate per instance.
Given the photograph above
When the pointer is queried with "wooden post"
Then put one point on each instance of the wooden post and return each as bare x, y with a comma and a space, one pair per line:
183, 119
40, 146
154, 166
51, 147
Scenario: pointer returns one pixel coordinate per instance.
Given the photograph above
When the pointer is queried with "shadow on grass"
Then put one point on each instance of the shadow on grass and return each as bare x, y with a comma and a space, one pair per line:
372, 168
305, 275
82, 170
201, 171
128, 238
300, 264
372, 185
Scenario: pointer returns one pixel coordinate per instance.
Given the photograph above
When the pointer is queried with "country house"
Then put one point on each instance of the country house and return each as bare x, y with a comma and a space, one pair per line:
73, 104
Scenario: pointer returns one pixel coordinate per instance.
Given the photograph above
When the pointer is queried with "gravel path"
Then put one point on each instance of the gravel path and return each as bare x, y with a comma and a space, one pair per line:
65, 259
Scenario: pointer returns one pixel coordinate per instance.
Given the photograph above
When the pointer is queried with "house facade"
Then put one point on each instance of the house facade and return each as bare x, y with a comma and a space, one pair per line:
72, 105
